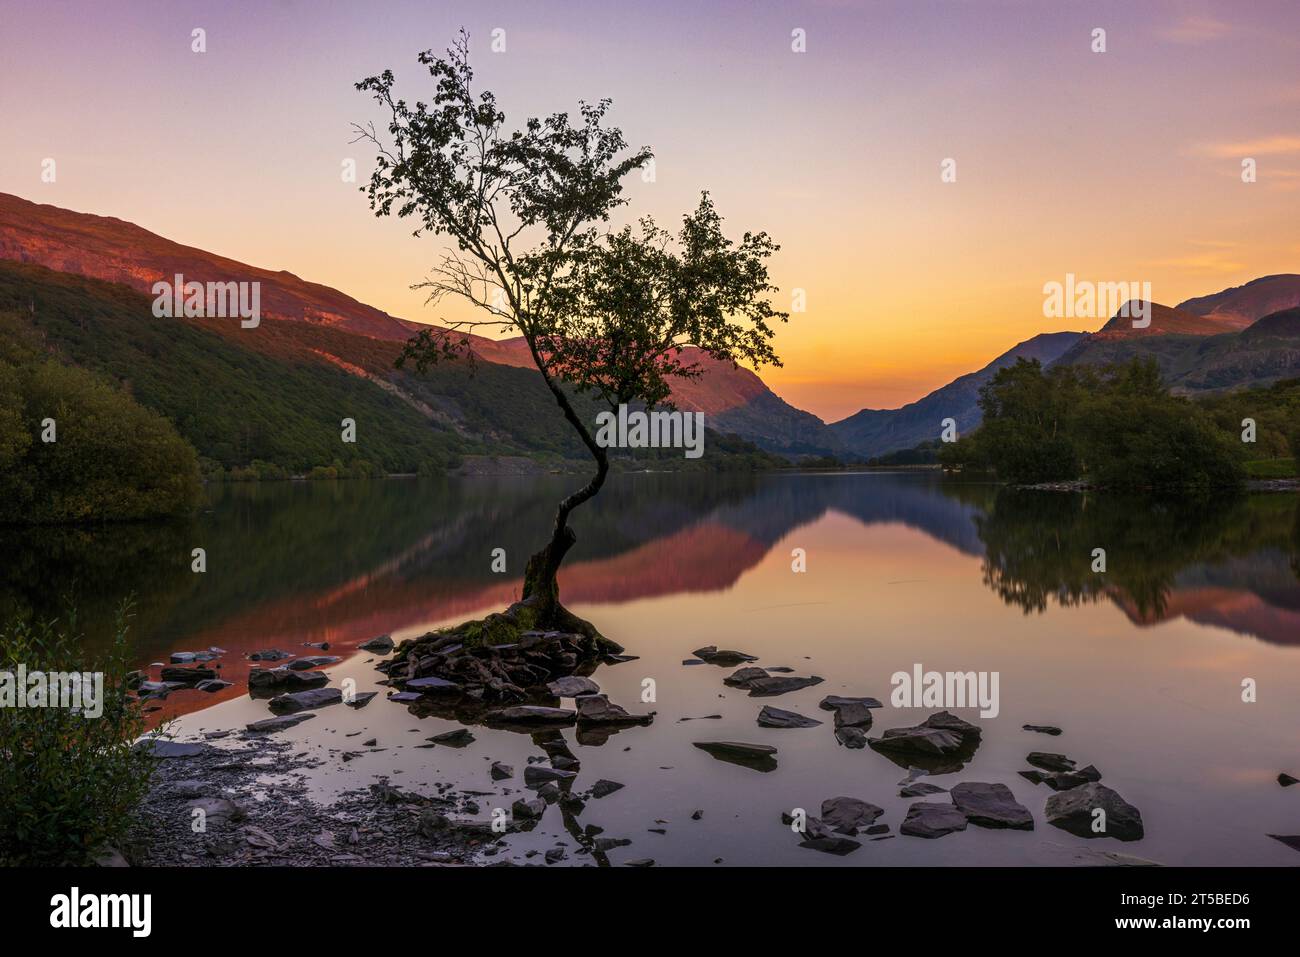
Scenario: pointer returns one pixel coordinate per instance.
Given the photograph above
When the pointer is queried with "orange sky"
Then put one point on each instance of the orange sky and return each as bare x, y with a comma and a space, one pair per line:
1123, 165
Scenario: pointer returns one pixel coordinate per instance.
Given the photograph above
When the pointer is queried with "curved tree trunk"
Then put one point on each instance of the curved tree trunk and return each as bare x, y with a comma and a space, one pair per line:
541, 588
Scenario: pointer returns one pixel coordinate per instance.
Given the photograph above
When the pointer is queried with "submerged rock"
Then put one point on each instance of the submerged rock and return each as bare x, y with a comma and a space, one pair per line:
920, 789
274, 679
305, 700
530, 714
382, 644
991, 805
1049, 762
742, 677
432, 685
711, 655
855, 739
597, 709
1042, 729
930, 820
271, 725
456, 738
528, 810
774, 685
758, 757
941, 743
849, 814
313, 661
273, 654
1063, 780
850, 712
771, 717
573, 686
604, 788
1075, 811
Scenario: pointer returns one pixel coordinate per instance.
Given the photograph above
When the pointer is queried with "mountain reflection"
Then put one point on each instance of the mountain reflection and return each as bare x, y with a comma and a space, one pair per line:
289, 563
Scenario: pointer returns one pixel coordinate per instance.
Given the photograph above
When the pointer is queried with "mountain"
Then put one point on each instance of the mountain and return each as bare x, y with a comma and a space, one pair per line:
872, 432
733, 399
1238, 307
1227, 347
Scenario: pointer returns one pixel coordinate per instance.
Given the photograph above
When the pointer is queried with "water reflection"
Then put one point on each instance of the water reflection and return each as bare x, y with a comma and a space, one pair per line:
340, 562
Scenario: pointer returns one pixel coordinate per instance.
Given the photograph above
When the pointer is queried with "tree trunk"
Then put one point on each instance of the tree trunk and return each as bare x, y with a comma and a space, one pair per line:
540, 586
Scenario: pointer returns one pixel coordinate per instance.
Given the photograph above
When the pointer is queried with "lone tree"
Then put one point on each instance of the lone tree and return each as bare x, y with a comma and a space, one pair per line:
602, 311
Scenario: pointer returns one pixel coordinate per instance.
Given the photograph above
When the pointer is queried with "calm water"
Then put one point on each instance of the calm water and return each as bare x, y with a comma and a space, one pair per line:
1142, 666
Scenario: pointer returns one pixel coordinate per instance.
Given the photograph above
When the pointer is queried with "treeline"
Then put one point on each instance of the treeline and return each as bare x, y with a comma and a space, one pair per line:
1118, 427
73, 448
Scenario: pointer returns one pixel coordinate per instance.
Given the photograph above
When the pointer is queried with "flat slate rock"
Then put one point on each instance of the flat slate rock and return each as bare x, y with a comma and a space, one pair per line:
774, 685
742, 677
572, 686
711, 655
604, 788
536, 775
313, 661
835, 844
1049, 762
432, 685
271, 725
1063, 780
285, 678
360, 699
991, 805
758, 757
833, 701
305, 700
598, 709
1074, 810
1042, 729
929, 819
771, 717
382, 644
456, 738
848, 815
920, 789
501, 771
1290, 840
530, 714
162, 748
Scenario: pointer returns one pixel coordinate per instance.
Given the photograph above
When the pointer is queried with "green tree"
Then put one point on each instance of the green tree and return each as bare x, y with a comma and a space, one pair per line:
601, 312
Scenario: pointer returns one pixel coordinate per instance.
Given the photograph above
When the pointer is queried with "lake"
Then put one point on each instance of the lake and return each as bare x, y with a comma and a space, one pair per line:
1142, 666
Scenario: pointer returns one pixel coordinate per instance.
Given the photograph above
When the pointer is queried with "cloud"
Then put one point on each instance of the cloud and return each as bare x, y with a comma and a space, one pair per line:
1195, 29
1264, 146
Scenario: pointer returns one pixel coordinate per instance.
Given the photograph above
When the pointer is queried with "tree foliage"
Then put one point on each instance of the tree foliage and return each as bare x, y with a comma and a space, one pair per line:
1116, 426
107, 458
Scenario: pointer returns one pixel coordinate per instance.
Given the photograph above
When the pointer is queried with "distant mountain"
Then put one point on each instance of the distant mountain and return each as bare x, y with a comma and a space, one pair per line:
1249, 352
874, 432
1239, 306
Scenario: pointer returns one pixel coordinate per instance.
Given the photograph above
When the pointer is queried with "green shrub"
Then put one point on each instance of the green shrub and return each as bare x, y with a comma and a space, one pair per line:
70, 781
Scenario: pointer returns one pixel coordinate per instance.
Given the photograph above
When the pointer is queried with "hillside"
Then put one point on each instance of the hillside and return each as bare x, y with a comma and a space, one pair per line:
874, 432
1242, 305
1258, 354
102, 247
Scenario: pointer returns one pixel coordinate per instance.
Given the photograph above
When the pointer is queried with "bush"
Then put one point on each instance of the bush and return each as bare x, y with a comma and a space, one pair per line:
70, 781
110, 458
